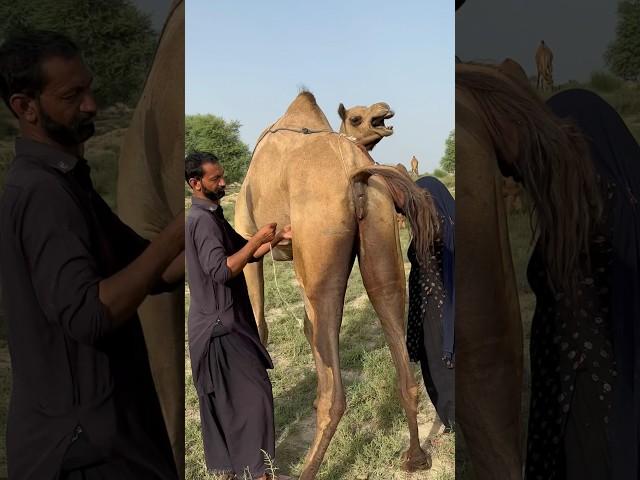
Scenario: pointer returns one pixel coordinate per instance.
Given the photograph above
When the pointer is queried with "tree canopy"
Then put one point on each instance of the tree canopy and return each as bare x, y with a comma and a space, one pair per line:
117, 40
213, 134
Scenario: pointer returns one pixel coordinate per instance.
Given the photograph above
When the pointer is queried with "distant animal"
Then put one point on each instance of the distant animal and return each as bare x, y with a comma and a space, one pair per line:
544, 64
414, 166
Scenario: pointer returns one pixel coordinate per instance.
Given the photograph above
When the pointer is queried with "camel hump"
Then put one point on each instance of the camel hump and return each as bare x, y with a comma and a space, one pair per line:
304, 112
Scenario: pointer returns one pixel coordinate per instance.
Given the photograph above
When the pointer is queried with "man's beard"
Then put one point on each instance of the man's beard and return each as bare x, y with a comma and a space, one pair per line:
78, 132
213, 195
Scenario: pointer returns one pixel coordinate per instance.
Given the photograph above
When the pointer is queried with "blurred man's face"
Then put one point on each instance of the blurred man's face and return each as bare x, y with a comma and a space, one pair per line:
66, 107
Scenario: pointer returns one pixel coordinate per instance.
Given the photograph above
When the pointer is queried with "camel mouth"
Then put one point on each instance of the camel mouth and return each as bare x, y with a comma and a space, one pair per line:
378, 123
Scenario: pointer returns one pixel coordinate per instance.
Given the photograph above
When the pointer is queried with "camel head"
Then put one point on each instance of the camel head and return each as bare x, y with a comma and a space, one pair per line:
366, 124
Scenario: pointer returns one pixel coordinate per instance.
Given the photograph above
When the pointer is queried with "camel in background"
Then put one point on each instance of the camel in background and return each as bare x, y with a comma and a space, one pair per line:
304, 174
150, 194
544, 65
414, 166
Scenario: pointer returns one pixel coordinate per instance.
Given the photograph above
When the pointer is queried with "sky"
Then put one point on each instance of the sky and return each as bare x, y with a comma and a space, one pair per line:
247, 60
577, 31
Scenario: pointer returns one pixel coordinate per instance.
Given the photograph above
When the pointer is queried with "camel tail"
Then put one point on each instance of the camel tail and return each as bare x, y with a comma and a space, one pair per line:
414, 202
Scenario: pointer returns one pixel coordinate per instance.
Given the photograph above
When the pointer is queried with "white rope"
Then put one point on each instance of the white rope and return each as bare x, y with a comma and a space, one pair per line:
275, 279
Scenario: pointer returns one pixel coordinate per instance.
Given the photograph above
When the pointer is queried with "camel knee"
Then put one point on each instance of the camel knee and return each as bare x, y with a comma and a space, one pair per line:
330, 410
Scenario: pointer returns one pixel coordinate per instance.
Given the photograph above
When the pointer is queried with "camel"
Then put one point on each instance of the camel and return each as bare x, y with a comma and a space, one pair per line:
414, 166
544, 65
503, 130
150, 194
304, 174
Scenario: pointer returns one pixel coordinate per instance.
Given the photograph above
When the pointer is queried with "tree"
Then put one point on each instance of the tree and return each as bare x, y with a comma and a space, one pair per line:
213, 134
448, 161
622, 55
116, 39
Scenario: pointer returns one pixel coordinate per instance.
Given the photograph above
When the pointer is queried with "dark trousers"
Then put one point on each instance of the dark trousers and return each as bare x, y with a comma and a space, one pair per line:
585, 441
83, 462
438, 379
237, 417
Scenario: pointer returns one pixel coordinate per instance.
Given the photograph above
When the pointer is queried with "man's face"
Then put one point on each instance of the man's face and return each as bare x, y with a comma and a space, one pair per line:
66, 107
212, 183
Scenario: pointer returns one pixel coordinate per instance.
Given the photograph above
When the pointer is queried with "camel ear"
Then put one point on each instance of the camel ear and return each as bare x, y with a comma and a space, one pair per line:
342, 112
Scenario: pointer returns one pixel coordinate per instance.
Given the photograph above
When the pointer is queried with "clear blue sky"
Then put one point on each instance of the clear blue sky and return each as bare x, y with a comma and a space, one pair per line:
246, 61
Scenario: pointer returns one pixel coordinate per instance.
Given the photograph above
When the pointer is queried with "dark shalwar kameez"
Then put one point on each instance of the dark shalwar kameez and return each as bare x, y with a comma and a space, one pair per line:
83, 403
228, 361
430, 326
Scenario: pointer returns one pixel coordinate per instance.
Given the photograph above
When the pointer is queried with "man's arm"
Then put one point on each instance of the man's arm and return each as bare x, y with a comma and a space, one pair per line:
175, 272
239, 260
211, 253
130, 245
123, 292
57, 246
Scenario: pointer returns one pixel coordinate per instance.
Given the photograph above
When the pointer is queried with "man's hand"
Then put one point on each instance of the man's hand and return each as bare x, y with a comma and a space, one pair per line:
284, 234
266, 234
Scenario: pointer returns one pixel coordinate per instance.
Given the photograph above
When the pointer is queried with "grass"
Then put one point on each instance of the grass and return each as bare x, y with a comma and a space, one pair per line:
373, 433
102, 153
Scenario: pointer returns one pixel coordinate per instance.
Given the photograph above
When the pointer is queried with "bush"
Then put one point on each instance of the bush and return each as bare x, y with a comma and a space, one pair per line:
439, 173
448, 161
622, 55
104, 174
213, 134
605, 82
6, 157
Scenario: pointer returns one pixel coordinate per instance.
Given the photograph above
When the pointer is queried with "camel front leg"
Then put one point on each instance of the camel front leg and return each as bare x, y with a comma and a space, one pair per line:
254, 276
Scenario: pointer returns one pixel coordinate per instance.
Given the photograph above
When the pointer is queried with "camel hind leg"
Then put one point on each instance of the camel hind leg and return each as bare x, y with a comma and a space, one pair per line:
323, 256
382, 268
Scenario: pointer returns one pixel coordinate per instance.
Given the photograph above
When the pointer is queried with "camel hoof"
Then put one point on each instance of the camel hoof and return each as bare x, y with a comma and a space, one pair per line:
417, 460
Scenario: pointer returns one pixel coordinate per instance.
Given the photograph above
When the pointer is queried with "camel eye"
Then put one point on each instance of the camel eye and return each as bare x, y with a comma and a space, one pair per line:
355, 121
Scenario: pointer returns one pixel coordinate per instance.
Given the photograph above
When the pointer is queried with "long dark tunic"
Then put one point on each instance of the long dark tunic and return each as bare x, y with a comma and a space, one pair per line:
430, 325
597, 411
229, 371
72, 372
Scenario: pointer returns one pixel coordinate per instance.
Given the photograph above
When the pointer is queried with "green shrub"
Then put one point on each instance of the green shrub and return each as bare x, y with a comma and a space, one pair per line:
605, 82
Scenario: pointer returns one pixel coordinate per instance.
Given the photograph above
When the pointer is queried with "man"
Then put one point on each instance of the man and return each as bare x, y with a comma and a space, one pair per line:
228, 361
83, 403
